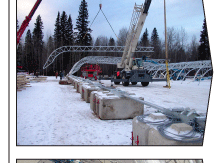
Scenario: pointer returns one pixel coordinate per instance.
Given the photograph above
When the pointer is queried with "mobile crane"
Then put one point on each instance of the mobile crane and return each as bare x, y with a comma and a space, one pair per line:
133, 70
27, 20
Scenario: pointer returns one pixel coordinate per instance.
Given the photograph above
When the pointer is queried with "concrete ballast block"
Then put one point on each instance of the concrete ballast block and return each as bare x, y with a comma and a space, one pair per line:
86, 91
110, 106
148, 134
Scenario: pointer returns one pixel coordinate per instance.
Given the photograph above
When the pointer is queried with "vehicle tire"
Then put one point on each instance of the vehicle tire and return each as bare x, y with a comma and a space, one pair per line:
124, 83
116, 77
134, 83
144, 84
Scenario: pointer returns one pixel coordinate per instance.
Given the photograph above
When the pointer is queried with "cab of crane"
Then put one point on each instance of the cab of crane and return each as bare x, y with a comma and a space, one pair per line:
137, 62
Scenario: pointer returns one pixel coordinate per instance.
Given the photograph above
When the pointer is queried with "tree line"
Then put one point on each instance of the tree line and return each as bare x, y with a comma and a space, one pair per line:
35, 51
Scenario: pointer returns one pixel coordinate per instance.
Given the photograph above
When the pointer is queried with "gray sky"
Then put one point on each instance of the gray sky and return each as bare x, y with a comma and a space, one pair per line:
187, 14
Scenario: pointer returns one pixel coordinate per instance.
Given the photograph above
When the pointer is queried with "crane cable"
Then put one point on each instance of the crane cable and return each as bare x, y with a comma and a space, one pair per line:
92, 23
100, 5
109, 24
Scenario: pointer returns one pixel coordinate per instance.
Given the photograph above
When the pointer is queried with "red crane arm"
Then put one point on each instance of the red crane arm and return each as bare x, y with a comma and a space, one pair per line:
27, 20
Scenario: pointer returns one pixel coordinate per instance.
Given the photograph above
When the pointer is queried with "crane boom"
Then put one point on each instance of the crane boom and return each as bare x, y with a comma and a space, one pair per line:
139, 15
27, 20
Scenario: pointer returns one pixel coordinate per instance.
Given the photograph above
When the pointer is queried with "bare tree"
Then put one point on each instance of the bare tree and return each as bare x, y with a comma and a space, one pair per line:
192, 49
122, 36
177, 39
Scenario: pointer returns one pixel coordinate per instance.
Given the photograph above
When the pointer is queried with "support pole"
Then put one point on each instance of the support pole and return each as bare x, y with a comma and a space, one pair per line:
166, 49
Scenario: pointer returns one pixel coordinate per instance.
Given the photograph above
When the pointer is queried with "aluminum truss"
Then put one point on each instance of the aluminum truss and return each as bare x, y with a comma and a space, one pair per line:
200, 67
100, 60
110, 49
157, 68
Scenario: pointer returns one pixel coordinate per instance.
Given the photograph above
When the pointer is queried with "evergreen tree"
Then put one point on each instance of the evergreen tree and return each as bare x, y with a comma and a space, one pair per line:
97, 42
204, 48
69, 32
49, 50
63, 28
38, 43
29, 59
57, 32
70, 41
83, 36
111, 42
144, 39
155, 42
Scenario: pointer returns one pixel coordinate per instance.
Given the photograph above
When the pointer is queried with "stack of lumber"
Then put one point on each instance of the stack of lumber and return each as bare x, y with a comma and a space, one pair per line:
38, 79
22, 82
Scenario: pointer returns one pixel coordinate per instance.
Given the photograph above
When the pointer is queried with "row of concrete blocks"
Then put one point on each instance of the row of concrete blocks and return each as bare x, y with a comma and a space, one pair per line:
105, 104
108, 106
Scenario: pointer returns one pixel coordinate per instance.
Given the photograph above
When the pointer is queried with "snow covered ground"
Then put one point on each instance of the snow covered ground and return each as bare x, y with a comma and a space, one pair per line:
185, 94
53, 114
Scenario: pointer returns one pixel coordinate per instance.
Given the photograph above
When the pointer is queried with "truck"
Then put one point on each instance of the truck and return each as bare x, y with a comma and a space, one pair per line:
133, 68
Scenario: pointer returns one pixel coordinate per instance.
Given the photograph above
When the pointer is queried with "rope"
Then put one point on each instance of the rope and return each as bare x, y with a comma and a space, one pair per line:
190, 137
106, 20
162, 126
92, 23
109, 24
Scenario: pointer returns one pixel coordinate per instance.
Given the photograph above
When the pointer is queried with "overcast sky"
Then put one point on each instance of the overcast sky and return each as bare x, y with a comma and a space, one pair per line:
188, 14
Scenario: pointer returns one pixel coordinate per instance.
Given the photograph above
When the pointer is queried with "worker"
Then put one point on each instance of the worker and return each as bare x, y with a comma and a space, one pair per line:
61, 75
56, 74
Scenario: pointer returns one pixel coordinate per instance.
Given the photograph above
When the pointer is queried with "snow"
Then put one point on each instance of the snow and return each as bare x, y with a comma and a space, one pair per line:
182, 94
52, 114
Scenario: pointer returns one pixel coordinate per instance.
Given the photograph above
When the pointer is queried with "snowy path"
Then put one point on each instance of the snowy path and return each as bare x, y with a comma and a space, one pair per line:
53, 114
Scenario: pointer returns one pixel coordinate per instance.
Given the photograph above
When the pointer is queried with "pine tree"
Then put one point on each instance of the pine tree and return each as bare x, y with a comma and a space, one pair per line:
29, 59
83, 36
49, 50
70, 41
57, 32
63, 28
144, 39
155, 42
204, 48
38, 43
69, 32
111, 42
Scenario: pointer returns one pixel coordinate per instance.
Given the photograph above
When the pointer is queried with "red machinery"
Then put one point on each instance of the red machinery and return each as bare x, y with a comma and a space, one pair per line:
91, 71
27, 20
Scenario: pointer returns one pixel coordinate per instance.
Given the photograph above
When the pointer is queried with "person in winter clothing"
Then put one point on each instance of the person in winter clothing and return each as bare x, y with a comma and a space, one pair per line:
56, 74
61, 75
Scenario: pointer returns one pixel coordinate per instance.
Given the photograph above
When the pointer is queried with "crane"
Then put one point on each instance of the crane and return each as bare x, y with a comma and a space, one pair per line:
27, 20
133, 70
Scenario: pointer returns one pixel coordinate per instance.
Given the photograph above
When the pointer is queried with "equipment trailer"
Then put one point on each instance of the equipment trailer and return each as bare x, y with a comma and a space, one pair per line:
133, 70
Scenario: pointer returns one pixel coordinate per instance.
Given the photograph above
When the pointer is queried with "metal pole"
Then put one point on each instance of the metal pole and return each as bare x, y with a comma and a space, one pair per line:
166, 49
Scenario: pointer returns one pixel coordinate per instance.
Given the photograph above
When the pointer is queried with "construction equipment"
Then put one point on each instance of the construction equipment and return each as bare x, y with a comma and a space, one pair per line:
91, 71
133, 69
27, 20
